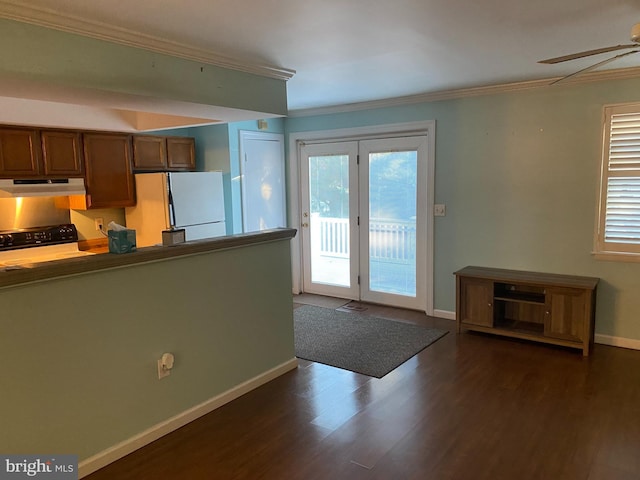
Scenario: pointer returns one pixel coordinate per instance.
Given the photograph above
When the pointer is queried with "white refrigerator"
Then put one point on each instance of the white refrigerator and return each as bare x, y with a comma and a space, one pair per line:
190, 200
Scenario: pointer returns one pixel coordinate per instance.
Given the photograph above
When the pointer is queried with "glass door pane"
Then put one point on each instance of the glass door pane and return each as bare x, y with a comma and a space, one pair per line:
329, 219
392, 222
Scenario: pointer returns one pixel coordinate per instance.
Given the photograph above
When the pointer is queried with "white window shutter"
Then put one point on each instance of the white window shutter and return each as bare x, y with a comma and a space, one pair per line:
621, 220
622, 224
624, 143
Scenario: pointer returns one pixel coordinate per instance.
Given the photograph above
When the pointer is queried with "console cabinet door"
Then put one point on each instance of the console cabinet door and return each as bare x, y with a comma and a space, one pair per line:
566, 312
110, 181
181, 153
62, 153
19, 153
476, 301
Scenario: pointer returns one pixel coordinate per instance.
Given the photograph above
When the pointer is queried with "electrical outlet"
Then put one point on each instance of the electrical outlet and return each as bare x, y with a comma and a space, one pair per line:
99, 223
439, 210
165, 364
162, 371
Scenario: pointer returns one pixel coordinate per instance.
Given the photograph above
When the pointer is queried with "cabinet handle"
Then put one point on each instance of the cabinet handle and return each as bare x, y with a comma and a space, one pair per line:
490, 305
547, 312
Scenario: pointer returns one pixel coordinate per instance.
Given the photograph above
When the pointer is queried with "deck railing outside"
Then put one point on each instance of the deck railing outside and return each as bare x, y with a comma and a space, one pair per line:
389, 240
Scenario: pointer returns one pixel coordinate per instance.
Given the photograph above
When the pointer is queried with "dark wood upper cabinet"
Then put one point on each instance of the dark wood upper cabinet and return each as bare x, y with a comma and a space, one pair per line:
109, 173
40, 153
20, 153
154, 153
62, 153
105, 160
181, 153
149, 152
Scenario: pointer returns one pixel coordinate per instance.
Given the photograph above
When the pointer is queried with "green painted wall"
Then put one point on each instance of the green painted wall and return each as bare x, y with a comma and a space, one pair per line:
41, 54
518, 173
80, 371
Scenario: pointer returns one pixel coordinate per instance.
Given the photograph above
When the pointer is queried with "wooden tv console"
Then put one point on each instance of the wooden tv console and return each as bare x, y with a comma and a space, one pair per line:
544, 307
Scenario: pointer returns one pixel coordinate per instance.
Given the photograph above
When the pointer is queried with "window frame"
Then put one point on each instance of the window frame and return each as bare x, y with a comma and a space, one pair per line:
603, 249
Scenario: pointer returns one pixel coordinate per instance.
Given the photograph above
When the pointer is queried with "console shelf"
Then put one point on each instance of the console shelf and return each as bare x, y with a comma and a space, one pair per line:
523, 298
544, 307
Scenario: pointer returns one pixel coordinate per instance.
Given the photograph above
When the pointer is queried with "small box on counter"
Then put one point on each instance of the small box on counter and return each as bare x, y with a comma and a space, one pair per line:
122, 241
173, 237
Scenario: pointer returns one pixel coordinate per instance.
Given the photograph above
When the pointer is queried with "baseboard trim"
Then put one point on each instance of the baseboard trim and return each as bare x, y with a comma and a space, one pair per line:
444, 314
617, 341
598, 338
128, 446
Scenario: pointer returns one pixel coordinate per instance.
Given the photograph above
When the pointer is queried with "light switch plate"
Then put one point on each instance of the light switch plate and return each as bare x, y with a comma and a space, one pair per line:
439, 210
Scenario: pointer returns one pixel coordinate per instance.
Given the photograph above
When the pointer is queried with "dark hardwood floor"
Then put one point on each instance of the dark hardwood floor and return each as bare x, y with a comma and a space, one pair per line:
470, 406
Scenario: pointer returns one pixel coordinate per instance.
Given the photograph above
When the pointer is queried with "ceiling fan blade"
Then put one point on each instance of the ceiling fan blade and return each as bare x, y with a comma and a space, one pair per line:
594, 66
587, 53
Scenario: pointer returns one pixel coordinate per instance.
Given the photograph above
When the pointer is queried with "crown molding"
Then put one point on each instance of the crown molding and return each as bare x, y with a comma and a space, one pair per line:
605, 75
43, 17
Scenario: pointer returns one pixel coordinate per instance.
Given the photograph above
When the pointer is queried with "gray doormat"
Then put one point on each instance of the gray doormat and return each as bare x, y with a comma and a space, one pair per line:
361, 343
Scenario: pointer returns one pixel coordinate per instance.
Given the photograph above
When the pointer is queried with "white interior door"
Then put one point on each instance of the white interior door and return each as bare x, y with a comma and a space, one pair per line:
365, 220
263, 186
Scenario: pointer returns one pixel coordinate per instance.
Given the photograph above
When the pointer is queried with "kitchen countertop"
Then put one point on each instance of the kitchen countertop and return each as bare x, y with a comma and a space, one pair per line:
92, 263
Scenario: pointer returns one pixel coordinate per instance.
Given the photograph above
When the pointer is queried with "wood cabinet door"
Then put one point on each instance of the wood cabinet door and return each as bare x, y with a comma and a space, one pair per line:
181, 153
62, 153
110, 181
475, 301
19, 153
149, 152
566, 311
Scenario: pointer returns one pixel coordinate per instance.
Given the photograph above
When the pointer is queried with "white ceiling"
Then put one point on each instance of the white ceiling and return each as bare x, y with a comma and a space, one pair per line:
349, 51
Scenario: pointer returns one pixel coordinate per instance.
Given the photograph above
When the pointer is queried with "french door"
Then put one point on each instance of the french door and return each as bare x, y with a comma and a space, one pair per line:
364, 211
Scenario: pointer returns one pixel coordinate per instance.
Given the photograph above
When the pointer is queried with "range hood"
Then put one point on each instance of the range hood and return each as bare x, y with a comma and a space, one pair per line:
41, 187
